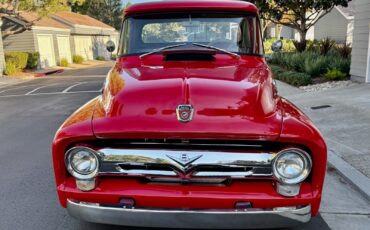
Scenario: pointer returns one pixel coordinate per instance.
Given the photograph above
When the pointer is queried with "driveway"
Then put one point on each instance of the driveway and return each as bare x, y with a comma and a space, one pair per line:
32, 111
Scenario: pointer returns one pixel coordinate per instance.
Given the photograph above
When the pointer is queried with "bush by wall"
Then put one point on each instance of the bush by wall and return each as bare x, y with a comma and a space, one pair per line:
33, 60
290, 77
20, 59
78, 59
334, 74
100, 58
64, 62
10, 68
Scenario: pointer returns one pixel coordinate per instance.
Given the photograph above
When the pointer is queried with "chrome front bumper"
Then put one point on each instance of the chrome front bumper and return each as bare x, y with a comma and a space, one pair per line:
191, 219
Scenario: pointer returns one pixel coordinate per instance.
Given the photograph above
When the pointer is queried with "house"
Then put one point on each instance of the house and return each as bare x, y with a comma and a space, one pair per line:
58, 36
2, 59
44, 37
337, 25
88, 35
360, 64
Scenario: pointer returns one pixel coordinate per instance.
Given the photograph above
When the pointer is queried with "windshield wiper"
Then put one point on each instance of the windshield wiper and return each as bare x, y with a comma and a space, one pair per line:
218, 49
161, 49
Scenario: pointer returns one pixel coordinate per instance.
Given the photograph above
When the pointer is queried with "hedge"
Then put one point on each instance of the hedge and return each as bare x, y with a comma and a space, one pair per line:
10, 68
63, 62
20, 59
33, 60
290, 77
78, 59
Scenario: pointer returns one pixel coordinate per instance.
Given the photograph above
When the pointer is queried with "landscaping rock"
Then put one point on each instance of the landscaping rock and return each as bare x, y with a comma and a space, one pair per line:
327, 85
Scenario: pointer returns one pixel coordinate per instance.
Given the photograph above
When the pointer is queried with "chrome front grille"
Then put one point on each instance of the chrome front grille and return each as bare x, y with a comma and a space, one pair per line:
184, 164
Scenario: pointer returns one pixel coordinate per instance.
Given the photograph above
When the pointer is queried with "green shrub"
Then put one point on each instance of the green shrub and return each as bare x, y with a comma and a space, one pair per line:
291, 77
10, 68
344, 50
311, 63
292, 61
334, 74
326, 45
63, 62
78, 59
18, 58
315, 66
100, 58
343, 65
33, 60
313, 45
299, 46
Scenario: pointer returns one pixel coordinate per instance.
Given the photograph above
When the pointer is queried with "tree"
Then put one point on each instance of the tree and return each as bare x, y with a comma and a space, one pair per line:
42, 7
297, 14
107, 11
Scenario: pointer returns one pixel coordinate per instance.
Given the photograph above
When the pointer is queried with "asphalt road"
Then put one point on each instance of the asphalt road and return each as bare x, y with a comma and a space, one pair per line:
30, 114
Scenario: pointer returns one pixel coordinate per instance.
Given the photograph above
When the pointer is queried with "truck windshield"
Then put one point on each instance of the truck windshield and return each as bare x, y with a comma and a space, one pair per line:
235, 33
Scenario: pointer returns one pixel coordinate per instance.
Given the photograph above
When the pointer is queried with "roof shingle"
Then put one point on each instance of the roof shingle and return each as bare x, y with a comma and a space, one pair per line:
79, 19
32, 17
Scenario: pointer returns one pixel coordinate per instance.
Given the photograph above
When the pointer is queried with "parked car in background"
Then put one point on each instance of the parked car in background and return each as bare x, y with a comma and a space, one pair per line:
190, 133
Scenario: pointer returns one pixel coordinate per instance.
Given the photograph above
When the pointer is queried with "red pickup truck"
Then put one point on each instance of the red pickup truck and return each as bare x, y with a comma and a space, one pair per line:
189, 131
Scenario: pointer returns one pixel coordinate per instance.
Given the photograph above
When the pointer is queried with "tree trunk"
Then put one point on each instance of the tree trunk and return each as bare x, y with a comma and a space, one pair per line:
301, 45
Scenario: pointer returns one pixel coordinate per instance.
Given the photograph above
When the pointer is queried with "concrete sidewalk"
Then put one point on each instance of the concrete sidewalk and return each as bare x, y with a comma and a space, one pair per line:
344, 120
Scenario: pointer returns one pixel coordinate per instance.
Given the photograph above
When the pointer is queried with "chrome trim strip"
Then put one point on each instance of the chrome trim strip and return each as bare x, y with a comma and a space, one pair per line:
146, 172
196, 144
224, 174
142, 161
191, 219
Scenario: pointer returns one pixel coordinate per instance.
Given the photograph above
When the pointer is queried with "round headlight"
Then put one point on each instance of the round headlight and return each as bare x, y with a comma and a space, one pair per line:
82, 162
292, 166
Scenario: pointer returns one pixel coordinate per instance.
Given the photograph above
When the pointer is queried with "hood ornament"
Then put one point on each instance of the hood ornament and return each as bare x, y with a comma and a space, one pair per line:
184, 113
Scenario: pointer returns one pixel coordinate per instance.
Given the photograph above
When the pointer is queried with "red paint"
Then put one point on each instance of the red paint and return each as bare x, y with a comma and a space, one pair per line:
191, 5
49, 72
232, 98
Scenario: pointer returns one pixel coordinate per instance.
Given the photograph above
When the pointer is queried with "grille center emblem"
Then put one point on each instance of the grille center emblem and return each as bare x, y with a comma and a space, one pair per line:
184, 159
184, 113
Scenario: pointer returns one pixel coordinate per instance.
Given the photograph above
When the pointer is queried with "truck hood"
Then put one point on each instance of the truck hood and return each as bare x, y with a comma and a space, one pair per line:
232, 98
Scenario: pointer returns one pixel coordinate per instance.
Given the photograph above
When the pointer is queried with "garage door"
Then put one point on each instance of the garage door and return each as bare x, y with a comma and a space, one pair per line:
83, 47
100, 48
46, 50
64, 48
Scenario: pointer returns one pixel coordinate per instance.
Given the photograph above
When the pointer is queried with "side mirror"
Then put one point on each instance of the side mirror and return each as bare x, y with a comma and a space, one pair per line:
277, 46
110, 46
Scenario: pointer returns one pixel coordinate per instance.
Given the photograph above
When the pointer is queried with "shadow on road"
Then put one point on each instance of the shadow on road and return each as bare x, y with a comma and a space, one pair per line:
94, 70
315, 223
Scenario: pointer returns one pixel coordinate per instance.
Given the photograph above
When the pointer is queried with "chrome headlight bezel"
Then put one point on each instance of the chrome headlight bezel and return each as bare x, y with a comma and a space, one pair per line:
307, 166
72, 170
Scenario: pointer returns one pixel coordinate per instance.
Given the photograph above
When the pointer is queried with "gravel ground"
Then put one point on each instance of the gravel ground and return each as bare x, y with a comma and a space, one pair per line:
327, 85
